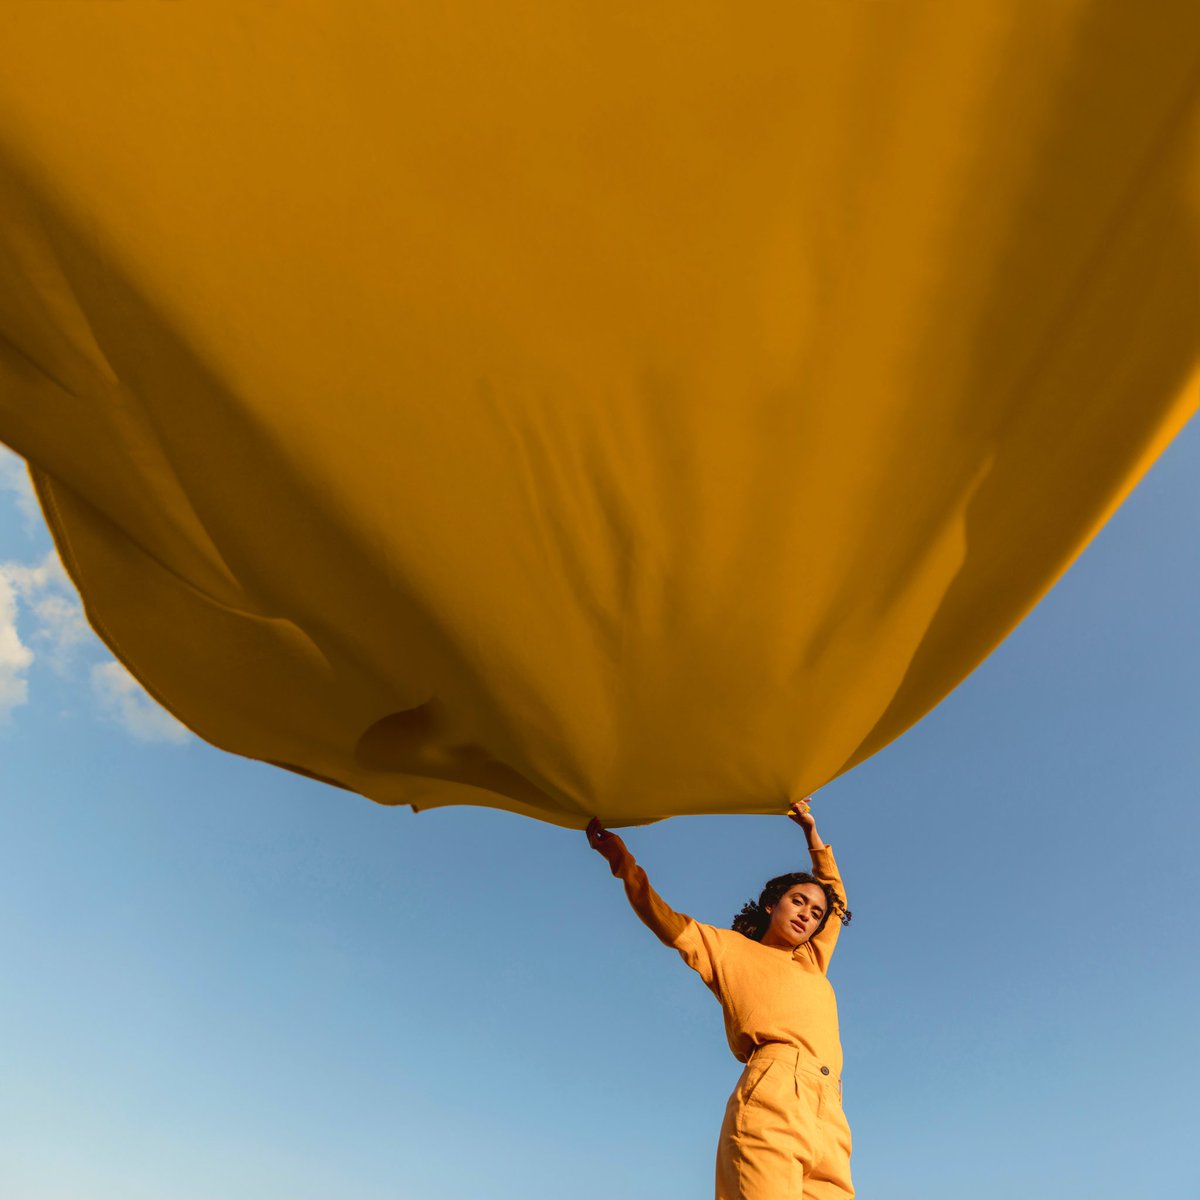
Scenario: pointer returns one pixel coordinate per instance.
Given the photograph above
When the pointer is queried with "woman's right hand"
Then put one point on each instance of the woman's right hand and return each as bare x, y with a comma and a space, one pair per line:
798, 812
606, 843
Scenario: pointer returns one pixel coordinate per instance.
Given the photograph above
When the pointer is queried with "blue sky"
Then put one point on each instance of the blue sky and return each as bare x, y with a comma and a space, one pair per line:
224, 981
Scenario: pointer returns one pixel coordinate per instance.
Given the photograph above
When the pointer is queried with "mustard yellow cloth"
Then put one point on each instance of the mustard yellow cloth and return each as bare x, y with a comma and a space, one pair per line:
624, 408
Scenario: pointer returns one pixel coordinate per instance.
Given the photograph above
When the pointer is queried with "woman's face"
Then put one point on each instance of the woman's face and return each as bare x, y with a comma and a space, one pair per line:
794, 919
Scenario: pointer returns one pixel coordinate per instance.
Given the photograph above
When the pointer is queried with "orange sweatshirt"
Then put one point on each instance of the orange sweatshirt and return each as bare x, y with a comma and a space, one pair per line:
768, 995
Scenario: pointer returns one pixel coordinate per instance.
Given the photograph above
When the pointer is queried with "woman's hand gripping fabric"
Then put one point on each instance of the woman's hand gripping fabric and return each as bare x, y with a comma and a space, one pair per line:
798, 811
608, 844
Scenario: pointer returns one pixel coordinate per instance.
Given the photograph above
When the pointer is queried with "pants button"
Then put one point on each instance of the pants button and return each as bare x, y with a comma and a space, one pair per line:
824, 1070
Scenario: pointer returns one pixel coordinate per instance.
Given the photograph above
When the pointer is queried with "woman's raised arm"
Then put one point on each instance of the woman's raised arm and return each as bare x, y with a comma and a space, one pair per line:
825, 869
663, 920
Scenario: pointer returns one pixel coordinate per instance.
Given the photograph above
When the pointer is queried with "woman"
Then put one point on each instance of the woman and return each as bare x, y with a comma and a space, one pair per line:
785, 1136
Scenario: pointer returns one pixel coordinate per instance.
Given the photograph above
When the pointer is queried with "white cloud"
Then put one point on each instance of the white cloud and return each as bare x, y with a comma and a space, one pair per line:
124, 701
62, 628
41, 620
14, 478
15, 657
47, 595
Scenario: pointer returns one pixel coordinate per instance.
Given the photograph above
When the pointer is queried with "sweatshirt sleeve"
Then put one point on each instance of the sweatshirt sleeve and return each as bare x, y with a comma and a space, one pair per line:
672, 928
822, 944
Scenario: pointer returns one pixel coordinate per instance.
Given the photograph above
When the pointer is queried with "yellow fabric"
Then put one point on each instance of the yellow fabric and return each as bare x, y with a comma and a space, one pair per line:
767, 995
785, 1133
630, 409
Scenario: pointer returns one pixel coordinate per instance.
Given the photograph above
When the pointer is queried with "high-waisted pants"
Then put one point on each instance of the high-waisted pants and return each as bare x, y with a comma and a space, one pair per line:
785, 1136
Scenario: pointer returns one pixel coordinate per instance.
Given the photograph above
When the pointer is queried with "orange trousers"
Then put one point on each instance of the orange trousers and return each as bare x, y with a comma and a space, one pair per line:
785, 1136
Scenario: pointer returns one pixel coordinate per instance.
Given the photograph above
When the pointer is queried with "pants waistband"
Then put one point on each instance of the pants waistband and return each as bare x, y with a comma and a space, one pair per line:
798, 1060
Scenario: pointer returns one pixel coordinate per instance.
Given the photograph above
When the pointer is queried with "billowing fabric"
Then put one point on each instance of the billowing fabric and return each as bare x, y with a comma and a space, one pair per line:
629, 409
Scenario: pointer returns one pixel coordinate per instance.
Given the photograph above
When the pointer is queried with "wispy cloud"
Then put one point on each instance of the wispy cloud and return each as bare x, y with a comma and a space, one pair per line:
15, 657
42, 621
59, 629
124, 701
14, 479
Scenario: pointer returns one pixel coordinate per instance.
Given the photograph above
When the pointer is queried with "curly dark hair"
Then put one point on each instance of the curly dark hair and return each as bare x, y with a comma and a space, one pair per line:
754, 918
